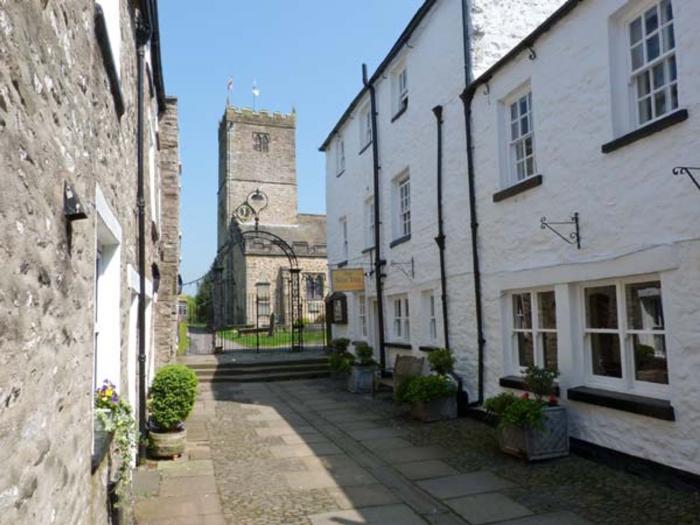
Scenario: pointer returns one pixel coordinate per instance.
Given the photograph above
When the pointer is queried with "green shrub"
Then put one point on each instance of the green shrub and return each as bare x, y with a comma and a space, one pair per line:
340, 362
425, 388
515, 411
340, 344
364, 354
172, 396
540, 381
441, 361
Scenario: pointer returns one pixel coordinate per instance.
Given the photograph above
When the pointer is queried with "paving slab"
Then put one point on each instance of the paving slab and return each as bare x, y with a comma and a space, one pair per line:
382, 515
432, 468
410, 454
555, 518
284, 430
297, 451
188, 485
333, 462
487, 508
465, 484
209, 519
145, 483
176, 506
375, 433
363, 496
322, 479
310, 438
386, 443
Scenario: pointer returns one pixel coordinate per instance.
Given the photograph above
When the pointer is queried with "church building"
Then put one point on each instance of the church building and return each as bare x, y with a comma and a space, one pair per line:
261, 235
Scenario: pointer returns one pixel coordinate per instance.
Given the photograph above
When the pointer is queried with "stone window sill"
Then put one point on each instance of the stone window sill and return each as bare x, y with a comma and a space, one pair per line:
519, 187
103, 440
400, 240
518, 383
365, 147
649, 129
400, 346
646, 406
399, 112
427, 348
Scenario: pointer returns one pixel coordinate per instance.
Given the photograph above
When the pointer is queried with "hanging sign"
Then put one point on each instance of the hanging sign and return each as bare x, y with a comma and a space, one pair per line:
348, 280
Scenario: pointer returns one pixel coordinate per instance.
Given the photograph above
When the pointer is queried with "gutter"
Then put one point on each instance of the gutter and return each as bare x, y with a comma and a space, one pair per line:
378, 262
144, 33
156, 57
440, 239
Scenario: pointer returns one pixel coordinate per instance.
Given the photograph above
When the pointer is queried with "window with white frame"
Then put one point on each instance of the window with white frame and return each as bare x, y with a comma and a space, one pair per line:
262, 292
369, 217
344, 237
111, 11
400, 82
625, 334
521, 147
431, 316
402, 202
401, 322
365, 126
362, 315
653, 62
534, 331
340, 156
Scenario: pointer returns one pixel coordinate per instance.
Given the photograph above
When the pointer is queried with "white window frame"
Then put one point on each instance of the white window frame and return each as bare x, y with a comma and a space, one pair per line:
537, 332
362, 315
111, 10
345, 248
512, 143
369, 217
365, 126
402, 206
663, 59
627, 383
400, 88
340, 156
431, 316
401, 323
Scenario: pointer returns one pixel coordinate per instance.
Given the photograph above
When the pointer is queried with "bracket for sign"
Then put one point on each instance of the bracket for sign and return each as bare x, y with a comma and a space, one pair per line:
687, 170
402, 267
573, 237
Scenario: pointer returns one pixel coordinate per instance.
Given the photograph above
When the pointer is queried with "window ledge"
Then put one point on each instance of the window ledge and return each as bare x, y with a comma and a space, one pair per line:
342, 264
359, 342
649, 129
519, 187
646, 406
365, 147
428, 348
340, 173
400, 240
103, 440
519, 383
399, 113
401, 346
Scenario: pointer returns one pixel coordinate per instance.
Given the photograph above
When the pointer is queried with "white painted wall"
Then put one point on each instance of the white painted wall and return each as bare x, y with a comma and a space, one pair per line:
636, 218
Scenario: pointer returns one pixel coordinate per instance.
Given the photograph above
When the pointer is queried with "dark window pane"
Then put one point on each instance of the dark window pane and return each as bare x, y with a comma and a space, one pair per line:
645, 110
526, 352
637, 57
643, 87
660, 103
514, 111
659, 76
674, 96
522, 311
547, 310
523, 105
666, 11
653, 50
669, 38
549, 348
635, 31
650, 358
651, 20
672, 73
644, 309
605, 355
601, 307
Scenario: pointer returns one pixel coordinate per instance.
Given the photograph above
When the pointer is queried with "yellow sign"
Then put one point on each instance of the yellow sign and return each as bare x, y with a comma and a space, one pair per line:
348, 280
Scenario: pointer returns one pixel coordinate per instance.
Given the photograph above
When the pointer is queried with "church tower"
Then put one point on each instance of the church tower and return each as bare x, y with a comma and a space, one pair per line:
257, 151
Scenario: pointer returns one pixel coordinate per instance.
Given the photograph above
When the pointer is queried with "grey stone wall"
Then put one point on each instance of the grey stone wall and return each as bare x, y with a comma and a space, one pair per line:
58, 124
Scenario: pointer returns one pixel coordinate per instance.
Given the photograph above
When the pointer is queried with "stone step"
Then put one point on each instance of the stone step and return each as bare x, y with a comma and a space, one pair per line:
261, 370
258, 364
264, 377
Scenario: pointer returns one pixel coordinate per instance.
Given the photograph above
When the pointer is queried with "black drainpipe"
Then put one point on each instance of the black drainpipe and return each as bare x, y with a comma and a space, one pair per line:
378, 262
143, 35
467, 97
440, 239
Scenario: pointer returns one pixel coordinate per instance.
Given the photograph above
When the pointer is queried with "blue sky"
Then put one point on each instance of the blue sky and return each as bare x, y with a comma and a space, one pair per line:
305, 54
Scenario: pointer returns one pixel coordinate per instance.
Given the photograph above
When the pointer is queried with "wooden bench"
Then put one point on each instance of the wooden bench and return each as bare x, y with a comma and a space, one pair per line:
405, 366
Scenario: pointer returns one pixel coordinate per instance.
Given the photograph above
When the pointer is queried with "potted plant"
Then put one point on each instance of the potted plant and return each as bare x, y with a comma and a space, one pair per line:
171, 399
432, 398
340, 360
113, 415
532, 428
361, 380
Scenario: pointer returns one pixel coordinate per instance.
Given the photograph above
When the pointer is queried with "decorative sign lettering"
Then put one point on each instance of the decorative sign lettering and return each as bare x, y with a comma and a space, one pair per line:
348, 280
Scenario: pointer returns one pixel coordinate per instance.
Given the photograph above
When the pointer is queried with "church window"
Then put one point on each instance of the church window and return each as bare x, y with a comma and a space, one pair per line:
261, 142
314, 287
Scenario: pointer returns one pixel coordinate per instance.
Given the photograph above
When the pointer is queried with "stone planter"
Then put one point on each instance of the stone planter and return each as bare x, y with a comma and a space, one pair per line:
361, 380
167, 444
436, 409
550, 441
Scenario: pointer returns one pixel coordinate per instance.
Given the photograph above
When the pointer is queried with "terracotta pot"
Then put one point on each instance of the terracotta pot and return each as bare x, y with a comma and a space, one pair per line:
167, 444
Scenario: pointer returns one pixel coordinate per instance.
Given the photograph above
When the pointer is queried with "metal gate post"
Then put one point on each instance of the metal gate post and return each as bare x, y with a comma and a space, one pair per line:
297, 337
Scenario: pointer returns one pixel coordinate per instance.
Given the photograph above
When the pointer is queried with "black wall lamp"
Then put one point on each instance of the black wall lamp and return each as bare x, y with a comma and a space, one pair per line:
73, 209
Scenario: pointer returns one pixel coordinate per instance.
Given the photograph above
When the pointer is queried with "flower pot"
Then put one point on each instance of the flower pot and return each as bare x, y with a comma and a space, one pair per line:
361, 380
435, 409
549, 441
103, 420
167, 444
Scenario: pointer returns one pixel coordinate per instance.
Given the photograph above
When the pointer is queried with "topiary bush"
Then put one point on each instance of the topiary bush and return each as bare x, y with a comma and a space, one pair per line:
340, 362
364, 354
425, 388
340, 344
441, 361
172, 396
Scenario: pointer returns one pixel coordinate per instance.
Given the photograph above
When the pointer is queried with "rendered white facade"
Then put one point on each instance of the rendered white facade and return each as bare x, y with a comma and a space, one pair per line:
636, 218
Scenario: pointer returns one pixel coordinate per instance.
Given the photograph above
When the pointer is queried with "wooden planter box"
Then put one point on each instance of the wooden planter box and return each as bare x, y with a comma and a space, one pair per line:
550, 441
435, 410
361, 380
167, 444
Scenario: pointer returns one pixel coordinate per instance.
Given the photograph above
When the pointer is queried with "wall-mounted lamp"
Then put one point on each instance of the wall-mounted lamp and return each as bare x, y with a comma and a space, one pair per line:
73, 209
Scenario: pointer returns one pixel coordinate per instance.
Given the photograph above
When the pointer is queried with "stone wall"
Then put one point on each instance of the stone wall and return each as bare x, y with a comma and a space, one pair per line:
58, 124
165, 323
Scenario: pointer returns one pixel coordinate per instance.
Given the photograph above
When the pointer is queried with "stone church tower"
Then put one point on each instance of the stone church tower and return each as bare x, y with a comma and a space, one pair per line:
257, 167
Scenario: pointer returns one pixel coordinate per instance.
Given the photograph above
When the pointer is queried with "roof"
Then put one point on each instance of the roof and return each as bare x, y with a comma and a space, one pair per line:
524, 44
398, 45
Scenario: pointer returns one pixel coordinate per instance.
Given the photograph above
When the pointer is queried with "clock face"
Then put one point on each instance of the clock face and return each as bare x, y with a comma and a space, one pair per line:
244, 213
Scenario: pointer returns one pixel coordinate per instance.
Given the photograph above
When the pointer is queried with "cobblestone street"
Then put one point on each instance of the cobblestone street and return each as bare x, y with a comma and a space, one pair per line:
307, 452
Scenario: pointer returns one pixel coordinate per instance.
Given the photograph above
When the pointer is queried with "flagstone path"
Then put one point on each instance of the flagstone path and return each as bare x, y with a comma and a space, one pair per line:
307, 452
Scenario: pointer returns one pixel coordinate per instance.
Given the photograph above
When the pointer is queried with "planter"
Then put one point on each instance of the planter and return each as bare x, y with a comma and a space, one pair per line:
167, 444
550, 441
103, 420
436, 409
361, 380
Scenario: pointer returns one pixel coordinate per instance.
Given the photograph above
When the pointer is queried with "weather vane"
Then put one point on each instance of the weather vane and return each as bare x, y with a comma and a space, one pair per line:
256, 94
229, 89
